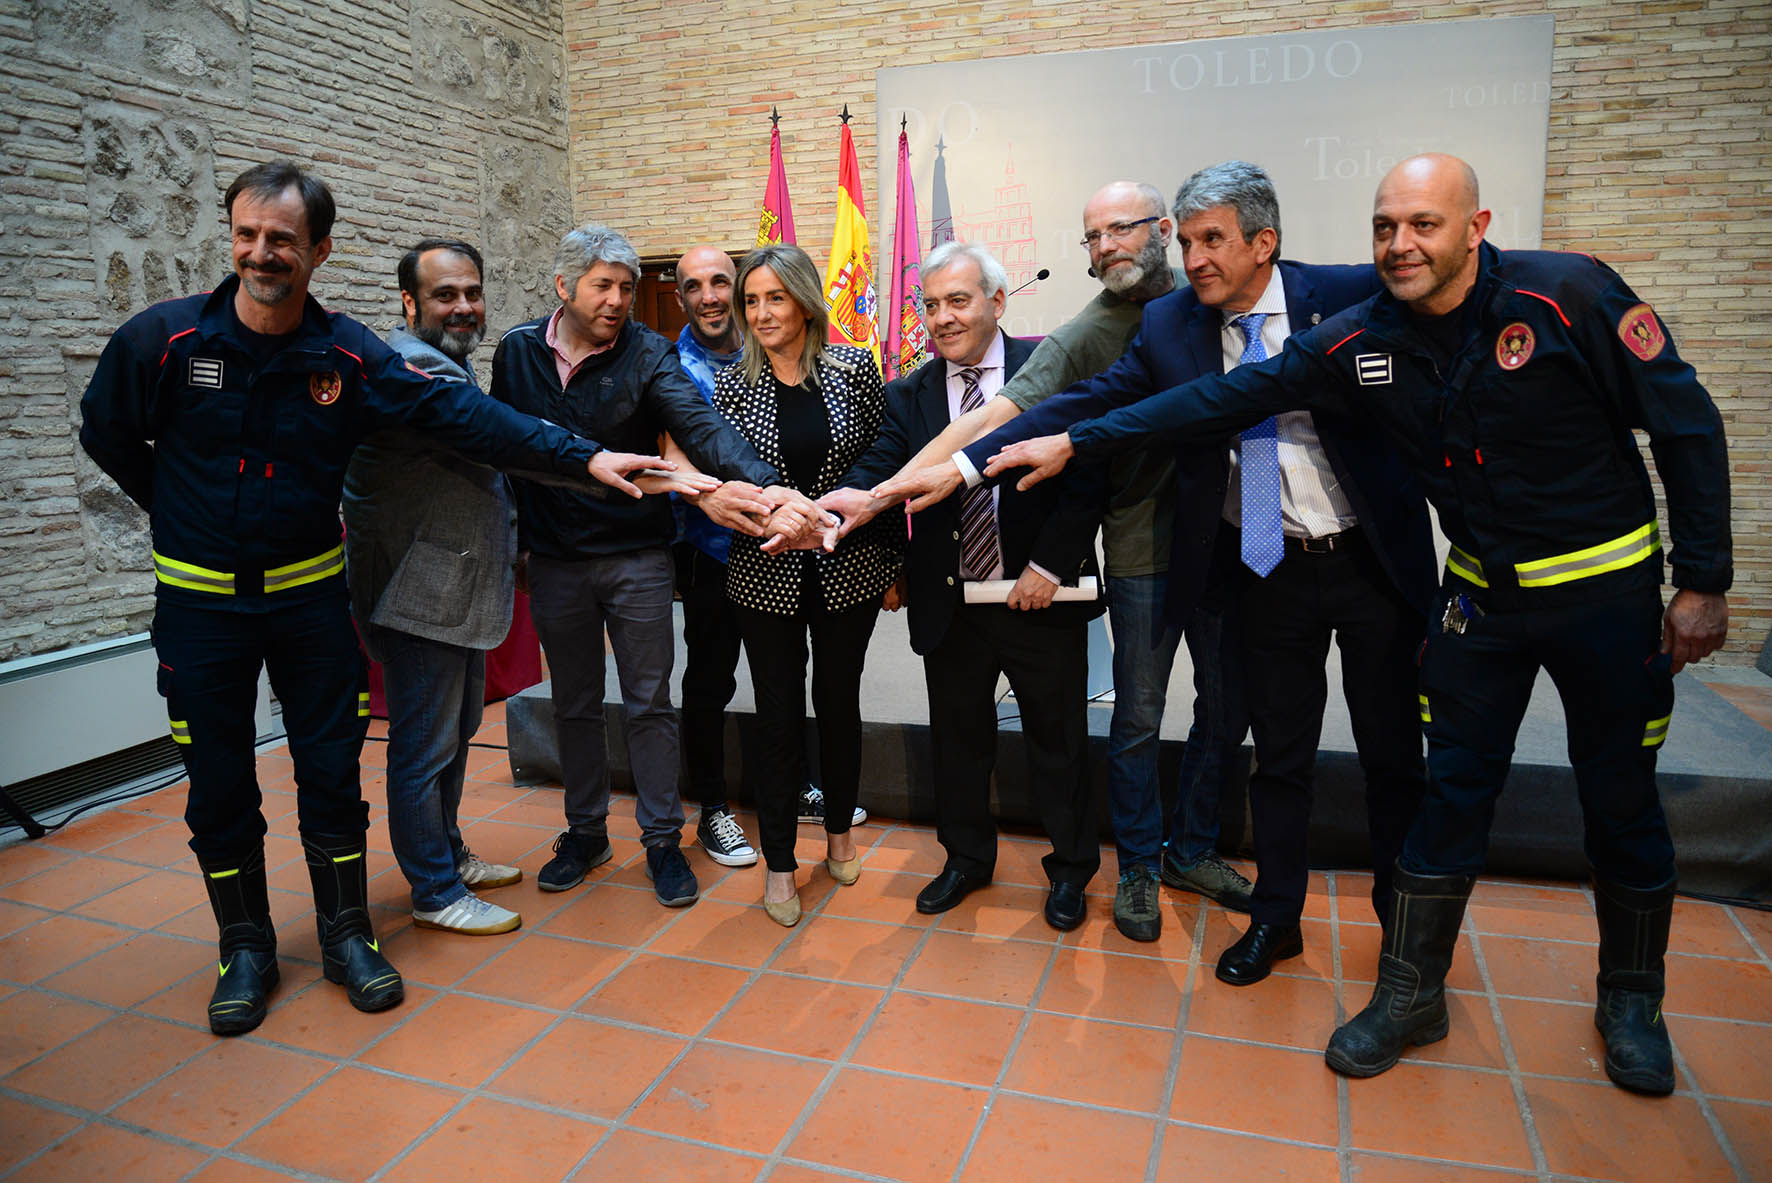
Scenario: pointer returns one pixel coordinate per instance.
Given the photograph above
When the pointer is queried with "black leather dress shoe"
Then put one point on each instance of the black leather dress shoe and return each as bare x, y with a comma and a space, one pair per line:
948, 889
1064, 906
1252, 957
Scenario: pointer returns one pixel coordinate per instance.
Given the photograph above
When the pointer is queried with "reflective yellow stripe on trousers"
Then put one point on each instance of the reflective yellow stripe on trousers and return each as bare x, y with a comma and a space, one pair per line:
221, 583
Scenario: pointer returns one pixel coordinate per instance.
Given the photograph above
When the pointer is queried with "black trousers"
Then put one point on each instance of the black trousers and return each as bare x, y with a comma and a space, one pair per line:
1288, 620
775, 646
1618, 697
210, 658
1048, 668
711, 642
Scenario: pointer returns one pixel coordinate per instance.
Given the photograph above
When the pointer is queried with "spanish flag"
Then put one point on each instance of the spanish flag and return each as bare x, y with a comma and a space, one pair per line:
849, 277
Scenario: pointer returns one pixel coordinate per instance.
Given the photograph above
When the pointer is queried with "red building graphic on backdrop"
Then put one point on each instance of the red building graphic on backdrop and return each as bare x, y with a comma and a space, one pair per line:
1006, 229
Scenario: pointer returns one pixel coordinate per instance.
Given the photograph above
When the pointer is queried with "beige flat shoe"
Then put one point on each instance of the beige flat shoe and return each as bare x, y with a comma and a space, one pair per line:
786, 913
845, 872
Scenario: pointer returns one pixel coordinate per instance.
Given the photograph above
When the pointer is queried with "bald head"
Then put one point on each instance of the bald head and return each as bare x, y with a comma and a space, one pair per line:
1127, 232
1426, 228
704, 290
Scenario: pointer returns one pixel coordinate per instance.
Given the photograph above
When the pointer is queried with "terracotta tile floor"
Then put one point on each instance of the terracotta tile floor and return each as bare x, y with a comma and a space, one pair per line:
610, 1038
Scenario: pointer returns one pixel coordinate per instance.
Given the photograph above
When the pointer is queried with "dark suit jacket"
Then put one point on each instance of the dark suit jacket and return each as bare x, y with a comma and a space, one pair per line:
1178, 341
1052, 524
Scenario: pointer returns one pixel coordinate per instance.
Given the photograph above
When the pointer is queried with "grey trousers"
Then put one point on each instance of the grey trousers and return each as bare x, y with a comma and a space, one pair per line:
572, 603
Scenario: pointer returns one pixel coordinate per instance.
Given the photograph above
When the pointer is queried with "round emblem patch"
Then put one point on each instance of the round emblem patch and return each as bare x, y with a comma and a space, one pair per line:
325, 388
1514, 346
1641, 332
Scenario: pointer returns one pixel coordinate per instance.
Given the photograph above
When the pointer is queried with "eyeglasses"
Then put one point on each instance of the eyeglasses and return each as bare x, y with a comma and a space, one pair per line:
1118, 231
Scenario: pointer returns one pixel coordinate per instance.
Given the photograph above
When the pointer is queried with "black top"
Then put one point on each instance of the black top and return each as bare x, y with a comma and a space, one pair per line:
805, 430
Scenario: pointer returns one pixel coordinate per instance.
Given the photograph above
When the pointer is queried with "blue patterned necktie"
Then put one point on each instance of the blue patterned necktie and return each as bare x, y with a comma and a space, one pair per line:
1263, 543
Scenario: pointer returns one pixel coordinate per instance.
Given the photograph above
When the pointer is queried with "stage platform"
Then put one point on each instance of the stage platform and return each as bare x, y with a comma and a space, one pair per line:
1715, 769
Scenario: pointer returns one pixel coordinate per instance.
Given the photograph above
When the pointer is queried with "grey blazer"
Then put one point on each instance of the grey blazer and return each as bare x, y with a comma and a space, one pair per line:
429, 537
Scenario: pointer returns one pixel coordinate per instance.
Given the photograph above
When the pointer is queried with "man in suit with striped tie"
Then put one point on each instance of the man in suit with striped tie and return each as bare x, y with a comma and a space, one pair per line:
1039, 541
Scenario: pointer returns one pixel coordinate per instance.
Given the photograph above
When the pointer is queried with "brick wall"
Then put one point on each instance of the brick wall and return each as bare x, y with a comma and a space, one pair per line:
1659, 157
122, 123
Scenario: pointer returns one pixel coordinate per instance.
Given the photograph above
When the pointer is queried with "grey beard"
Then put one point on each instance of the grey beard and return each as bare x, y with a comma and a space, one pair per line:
454, 346
1148, 266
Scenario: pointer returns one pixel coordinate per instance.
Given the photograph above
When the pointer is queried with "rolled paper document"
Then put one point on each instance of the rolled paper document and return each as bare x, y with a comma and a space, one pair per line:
996, 591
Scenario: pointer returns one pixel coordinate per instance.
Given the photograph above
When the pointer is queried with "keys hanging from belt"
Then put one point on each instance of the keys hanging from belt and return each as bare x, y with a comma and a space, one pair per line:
1460, 611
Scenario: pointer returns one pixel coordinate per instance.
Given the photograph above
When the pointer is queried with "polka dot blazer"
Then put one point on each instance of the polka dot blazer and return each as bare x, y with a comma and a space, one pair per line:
867, 561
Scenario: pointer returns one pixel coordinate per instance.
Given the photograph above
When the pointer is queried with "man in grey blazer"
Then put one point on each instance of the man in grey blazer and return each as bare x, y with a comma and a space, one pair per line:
429, 542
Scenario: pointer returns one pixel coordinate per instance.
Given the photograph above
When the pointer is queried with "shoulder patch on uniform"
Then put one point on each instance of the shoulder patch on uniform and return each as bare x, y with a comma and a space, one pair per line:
1514, 347
206, 371
1641, 332
1374, 368
325, 388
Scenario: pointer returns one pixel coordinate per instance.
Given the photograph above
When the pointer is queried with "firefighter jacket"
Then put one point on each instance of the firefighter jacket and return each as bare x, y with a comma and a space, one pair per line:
240, 459
1523, 436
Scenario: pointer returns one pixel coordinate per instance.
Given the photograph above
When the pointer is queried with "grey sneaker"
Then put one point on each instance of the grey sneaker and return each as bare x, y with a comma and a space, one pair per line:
812, 808
722, 838
1136, 913
1211, 877
470, 914
477, 872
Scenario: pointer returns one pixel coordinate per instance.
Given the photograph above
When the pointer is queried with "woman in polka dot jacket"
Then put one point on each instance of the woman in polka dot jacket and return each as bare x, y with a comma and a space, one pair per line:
811, 409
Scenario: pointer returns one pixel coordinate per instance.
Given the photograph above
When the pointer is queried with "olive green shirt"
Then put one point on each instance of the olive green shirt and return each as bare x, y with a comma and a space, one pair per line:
1141, 485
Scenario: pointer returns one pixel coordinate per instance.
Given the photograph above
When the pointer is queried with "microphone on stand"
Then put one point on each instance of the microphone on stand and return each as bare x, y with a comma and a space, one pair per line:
1042, 273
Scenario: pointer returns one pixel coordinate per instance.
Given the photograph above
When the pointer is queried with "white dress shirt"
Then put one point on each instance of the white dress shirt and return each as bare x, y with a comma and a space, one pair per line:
1312, 502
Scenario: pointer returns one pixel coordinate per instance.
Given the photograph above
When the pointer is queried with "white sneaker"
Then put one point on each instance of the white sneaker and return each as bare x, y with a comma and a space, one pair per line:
723, 840
470, 914
812, 808
477, 872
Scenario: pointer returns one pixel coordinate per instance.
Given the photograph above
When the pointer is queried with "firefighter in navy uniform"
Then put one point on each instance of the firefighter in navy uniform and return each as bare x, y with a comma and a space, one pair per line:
253, 398
1513, 381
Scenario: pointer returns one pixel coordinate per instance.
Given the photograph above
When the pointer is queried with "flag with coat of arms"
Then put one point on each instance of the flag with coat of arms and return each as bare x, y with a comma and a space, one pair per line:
776, 222
907, 343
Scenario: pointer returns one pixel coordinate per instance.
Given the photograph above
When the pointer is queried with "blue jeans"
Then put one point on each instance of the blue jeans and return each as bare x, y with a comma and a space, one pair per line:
435, 694
1221, 719
1144, 653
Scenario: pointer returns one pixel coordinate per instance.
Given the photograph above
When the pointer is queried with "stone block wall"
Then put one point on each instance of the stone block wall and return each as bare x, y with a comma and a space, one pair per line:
1660, 158
122, 123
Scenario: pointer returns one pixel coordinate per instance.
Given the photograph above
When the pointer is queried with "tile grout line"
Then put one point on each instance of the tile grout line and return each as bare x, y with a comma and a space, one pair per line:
1189, 981
1344, 1098
844, 1059
1516, 1083
694, 1041
996, 1086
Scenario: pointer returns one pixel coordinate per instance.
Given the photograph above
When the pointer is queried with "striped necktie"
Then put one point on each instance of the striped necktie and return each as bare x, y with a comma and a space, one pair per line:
979, 552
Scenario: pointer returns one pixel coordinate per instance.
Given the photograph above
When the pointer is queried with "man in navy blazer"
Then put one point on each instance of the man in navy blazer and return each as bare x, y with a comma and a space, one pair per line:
1358, 558
1040, 539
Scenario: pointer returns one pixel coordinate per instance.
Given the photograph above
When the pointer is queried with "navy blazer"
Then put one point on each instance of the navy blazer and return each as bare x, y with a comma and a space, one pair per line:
1052, 524
1179, 340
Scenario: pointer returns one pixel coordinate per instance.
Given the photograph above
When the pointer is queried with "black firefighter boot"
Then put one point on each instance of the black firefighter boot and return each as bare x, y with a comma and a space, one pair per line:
1408, 1004
348, 949
1633, 937
248, 962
